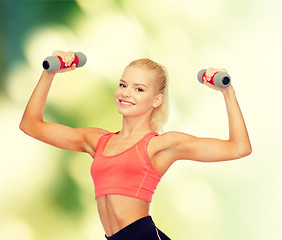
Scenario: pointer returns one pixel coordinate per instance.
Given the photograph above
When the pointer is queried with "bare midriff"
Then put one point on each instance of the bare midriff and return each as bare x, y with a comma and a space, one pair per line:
118, 211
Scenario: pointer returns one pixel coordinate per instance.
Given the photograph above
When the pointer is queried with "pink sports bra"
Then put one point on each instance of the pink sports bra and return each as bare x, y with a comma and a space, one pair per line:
129, 173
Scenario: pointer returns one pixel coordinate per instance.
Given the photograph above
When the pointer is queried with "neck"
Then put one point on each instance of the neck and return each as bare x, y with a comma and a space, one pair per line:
135, 126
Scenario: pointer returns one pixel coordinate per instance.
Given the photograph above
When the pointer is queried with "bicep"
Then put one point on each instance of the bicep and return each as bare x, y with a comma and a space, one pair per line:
189, 147
64, 137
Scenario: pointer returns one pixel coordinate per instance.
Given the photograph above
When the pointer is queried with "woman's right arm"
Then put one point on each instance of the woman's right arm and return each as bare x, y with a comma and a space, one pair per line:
61, 136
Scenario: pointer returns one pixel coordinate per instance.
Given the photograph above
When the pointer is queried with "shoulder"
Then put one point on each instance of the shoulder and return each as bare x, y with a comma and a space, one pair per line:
94, 134
169, 142
91, 136
171, 138
163, 149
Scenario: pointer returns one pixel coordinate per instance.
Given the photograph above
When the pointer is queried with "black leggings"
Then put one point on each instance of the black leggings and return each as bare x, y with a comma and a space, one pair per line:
142, 229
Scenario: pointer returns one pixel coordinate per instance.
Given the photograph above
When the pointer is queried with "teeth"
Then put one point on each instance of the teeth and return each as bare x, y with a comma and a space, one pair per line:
126, 103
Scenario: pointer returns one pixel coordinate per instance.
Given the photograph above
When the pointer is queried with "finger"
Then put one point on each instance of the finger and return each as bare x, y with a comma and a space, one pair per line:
70, 58
64, 56
73, 66
55, 53
209, 73
67, 69
71, 55
66, 60
58, 53
222, 70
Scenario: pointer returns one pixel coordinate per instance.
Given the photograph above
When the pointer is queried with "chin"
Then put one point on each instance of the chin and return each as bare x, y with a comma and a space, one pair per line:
126, 114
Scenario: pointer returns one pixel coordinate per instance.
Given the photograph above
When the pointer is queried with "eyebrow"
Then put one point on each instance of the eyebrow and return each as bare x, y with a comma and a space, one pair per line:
138, 84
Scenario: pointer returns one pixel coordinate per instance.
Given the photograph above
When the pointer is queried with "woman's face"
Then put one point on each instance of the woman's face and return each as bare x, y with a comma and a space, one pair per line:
135, 95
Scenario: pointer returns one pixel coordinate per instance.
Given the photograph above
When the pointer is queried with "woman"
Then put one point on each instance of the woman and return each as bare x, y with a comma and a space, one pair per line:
127, 165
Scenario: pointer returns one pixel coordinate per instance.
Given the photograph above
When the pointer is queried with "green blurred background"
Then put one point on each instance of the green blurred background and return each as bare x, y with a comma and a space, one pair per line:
47, 193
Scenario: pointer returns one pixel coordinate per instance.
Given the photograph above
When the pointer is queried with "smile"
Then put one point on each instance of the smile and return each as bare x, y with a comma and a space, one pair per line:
126, 103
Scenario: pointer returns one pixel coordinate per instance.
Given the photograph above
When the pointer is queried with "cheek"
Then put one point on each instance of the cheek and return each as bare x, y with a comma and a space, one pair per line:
116, 96
147, 100
116, 92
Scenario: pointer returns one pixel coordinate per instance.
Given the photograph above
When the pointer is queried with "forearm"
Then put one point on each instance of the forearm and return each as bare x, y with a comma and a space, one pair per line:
238, 134
35, 108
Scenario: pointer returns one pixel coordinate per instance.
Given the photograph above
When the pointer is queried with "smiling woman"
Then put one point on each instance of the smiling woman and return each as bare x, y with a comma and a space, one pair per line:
128, 165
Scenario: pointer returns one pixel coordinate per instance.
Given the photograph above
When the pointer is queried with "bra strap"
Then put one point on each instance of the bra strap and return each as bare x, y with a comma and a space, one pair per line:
149, 137
103, 140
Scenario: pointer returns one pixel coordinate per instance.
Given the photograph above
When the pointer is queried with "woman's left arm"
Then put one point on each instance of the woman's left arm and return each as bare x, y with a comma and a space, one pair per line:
185, 146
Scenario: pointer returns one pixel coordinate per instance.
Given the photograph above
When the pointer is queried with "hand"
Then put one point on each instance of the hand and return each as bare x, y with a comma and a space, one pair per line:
209, 74
68, 58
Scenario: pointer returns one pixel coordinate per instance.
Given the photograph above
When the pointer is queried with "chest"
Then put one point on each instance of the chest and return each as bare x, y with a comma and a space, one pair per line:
118, 145
157, 157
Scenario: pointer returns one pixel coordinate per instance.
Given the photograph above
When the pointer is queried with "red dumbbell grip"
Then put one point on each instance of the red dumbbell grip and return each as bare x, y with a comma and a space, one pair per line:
210, 81
75, 61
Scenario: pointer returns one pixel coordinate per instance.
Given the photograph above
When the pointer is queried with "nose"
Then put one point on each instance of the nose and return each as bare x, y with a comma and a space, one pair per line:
126, 93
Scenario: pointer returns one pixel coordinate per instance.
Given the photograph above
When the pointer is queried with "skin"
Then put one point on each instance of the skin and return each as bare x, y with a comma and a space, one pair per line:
135, 99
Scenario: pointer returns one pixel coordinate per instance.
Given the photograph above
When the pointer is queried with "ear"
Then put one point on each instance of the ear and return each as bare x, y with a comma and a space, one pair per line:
158, 100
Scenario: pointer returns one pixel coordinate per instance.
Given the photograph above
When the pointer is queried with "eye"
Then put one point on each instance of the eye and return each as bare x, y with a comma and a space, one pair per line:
140, 90
122, 85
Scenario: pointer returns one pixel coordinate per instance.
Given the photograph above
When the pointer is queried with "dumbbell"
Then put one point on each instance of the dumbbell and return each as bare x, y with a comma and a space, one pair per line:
219, 79
54, 63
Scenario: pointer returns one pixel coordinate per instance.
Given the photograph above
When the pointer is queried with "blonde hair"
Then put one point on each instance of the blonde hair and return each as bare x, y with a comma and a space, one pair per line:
160, 113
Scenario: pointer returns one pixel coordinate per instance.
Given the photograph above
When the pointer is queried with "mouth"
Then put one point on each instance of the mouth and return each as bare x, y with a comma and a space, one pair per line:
126, 103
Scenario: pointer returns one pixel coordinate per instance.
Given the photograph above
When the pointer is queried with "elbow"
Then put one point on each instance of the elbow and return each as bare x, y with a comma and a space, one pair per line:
245, 150
24, 127
28, 127
250, 149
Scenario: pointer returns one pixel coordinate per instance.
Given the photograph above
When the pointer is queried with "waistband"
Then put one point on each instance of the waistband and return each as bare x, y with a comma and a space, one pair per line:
132, 229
